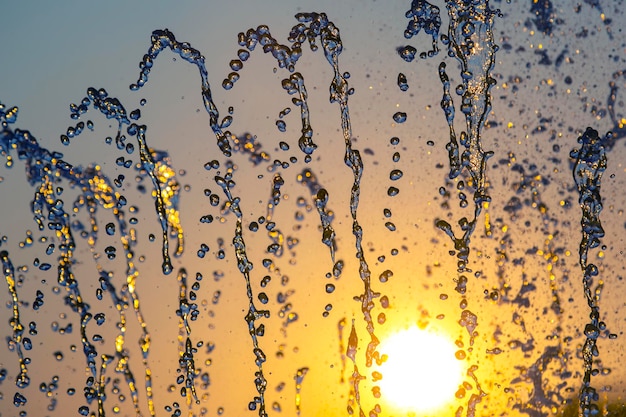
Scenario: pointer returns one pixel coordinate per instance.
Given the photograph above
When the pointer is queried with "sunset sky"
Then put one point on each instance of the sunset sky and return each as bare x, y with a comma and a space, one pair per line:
519, 350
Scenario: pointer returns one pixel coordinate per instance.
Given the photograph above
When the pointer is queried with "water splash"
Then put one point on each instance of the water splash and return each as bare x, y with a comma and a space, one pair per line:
591, 162
470, 41
44, 169
554, 362
422, 15
318, 26
467, 169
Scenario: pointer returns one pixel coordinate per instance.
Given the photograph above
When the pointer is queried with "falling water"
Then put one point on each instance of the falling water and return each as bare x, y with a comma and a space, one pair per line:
591, 162
271, 242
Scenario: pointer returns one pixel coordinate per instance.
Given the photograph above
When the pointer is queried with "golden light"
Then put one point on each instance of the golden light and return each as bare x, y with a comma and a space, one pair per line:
421, 372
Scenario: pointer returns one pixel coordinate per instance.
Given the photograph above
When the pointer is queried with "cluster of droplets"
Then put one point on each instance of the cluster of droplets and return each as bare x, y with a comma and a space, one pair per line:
422, 16
470, 41
99, 191
152, 163
394, 175
45, 171
244, 144
470, 25
312, 26
529, 194
286, 57
248, 144
43, 167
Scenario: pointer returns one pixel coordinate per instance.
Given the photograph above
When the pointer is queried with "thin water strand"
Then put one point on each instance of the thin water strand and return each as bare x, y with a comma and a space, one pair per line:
356, 377
591, 162
187, 311
253, 314
339, 92
320, 196
162, 39
470, 41
16, 341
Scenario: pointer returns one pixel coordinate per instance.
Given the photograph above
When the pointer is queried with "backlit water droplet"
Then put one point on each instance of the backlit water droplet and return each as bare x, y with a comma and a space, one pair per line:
399, 117
402, 82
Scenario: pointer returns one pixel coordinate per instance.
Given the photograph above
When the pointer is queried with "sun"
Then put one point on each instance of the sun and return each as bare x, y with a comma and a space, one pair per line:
421, 372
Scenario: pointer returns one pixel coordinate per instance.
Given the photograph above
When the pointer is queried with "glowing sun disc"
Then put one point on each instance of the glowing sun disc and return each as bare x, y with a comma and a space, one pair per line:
421, 372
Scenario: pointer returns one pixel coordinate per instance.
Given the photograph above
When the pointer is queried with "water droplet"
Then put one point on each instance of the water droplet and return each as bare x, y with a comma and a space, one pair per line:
399, 117
27, 343
19, 400
407, 53
100, 318
395, 175
402, 82
384, 277
110, 252
243, 54
236, 64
